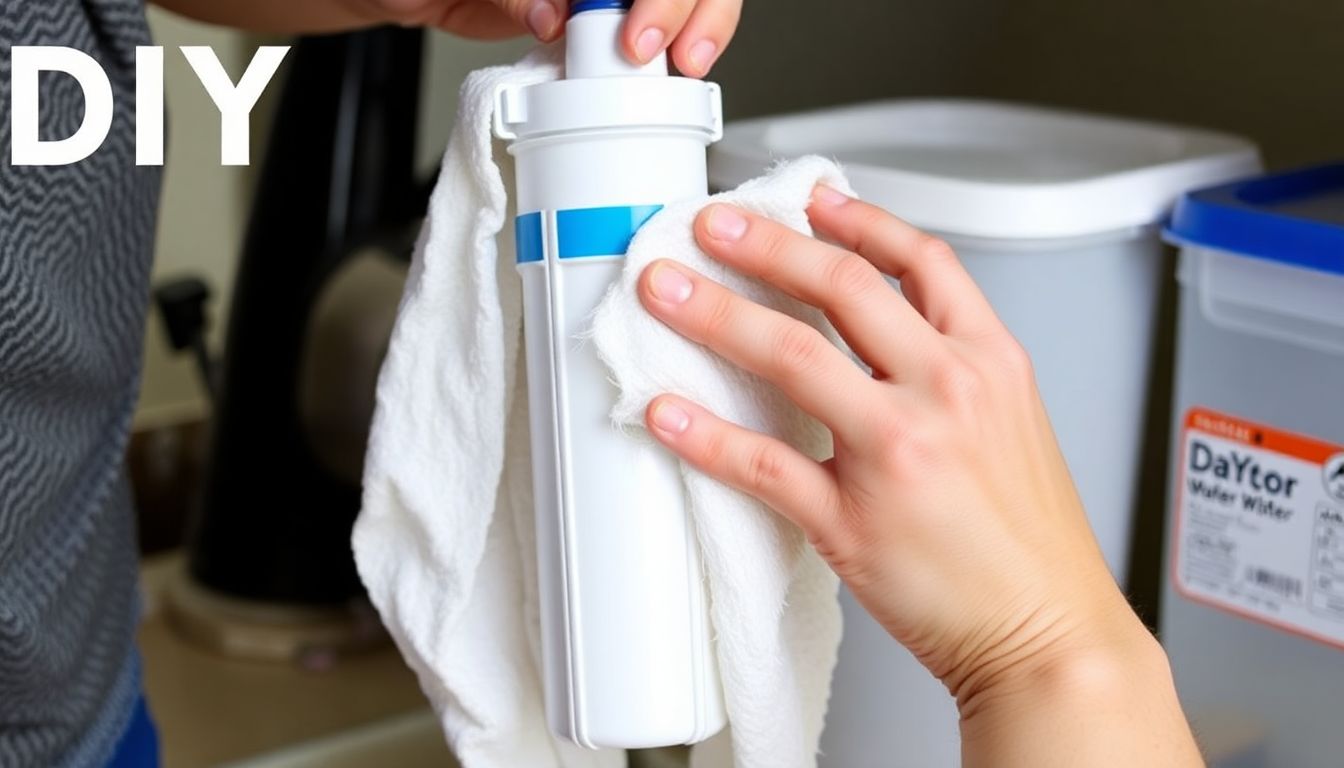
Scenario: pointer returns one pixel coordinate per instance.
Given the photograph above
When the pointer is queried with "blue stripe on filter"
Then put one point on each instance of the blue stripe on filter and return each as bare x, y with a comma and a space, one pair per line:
527, 233
600, 231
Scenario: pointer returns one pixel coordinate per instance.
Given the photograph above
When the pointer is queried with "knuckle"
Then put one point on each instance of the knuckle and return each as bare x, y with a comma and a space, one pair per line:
775, 255
905, 443
887, 429
1017, 363
719, 315
765, 468
851, 276
711, 451
935, 250
797, 350
904, 449
771, 242
838, 552
515, 8
851, 545
869, 224
957, 383
889, 435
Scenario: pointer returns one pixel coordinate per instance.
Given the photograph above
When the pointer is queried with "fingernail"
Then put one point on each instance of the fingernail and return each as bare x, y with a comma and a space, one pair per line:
829, 196
649, 44
670, 418
542, 19
726, 224
670, 285
702, 55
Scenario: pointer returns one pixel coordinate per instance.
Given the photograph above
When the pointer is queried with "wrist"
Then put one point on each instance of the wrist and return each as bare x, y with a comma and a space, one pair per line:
1109, 703
1071, 649
1095, 671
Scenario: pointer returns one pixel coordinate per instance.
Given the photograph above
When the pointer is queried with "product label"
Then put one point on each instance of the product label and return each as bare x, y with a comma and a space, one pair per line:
1259, 527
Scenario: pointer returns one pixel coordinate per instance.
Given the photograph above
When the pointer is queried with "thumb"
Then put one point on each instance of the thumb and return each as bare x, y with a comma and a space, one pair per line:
545, 19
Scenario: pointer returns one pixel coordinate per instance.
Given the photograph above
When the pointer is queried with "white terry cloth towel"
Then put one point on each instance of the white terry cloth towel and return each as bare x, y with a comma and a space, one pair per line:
773, 600
445, 540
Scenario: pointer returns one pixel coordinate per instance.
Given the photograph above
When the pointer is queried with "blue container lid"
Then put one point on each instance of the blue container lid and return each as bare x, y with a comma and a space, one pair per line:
579, 6
1293, 218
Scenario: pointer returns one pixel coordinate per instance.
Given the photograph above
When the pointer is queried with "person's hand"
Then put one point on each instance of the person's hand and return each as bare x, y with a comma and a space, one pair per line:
695, 31
947, 509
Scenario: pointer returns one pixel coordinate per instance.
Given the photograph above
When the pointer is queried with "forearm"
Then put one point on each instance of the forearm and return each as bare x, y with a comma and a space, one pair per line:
1112, 706
277, 16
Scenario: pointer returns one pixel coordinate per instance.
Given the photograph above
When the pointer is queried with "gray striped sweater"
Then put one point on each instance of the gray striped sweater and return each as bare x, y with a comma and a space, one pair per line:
75, 250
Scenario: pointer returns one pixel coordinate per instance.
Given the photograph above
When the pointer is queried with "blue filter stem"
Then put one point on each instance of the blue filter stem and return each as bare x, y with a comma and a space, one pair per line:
581, 6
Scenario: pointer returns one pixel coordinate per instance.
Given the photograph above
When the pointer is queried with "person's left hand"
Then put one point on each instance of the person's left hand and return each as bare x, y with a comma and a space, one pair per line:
694, 31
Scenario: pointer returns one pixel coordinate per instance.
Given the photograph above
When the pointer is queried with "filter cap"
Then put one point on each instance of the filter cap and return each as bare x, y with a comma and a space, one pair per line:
582, 6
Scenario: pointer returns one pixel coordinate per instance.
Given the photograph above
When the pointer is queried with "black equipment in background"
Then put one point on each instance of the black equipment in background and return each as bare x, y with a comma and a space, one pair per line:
338, 175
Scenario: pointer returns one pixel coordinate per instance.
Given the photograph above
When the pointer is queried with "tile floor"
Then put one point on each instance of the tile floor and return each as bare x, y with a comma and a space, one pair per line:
213, 710
367, 710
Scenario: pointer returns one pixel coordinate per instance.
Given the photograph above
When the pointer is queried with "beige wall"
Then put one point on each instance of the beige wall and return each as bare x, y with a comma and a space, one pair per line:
202, 214
1269, 69
799, 54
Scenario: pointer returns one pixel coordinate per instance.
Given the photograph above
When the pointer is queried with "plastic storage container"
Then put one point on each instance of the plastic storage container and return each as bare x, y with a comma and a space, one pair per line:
627, 645
1056, 214
1253, 615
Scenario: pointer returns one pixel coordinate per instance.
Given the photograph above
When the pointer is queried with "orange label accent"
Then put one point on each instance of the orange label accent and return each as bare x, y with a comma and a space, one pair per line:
1261, 436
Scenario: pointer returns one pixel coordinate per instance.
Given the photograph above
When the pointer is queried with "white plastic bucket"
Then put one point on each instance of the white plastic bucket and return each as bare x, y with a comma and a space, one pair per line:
1056, 216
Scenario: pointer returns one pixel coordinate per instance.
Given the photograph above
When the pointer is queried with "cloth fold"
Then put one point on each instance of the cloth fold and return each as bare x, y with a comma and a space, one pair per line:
445, 541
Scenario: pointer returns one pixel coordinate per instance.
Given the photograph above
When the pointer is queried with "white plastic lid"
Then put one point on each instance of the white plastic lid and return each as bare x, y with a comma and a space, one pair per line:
995, 170
543, 110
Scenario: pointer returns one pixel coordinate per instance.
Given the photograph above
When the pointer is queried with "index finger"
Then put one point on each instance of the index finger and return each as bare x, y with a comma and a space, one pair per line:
932, 278
865, 308
780, 349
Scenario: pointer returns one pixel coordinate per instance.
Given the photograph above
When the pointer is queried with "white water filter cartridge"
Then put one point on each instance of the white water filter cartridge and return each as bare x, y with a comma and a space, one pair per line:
627, 644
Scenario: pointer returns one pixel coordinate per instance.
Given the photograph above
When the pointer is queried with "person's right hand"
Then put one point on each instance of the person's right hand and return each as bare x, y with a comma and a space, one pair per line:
695, 31
948, 508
